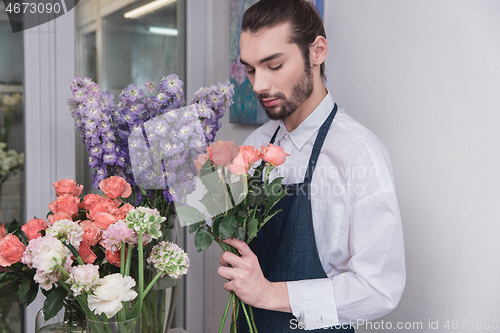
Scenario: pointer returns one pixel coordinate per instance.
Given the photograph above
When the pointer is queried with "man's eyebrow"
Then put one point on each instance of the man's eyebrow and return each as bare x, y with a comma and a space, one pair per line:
266, 59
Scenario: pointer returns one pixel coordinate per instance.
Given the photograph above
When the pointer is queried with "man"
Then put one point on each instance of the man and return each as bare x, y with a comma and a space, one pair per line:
334, 254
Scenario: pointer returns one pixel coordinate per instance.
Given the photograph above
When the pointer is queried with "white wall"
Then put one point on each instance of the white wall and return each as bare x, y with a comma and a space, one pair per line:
425, 77
49, 68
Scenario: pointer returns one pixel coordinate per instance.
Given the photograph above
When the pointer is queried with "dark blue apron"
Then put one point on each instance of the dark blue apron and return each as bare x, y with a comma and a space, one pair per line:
286, 246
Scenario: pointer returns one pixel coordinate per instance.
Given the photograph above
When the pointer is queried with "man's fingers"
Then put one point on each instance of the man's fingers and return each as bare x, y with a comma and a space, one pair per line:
239, 245
228, 258
225, 272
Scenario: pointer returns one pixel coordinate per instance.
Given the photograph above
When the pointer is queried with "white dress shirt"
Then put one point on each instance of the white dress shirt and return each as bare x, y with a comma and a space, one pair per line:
356, 219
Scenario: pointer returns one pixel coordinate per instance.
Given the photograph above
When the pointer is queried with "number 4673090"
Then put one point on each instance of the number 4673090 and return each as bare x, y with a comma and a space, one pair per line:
33, 8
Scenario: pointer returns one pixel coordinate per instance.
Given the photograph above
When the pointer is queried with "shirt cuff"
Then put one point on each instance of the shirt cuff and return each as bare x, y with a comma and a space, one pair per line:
313, 303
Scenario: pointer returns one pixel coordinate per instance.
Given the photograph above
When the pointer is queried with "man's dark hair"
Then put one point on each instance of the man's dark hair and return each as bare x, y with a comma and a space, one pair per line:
302, 15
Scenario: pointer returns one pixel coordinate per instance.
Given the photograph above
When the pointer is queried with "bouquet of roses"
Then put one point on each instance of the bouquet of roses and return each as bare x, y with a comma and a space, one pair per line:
239, 199
85, 250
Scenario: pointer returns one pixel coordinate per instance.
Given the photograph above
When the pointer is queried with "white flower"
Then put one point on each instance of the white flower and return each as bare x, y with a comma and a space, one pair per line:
146, 221
67, 230
83, 278
46, 254
170, 259
113, 289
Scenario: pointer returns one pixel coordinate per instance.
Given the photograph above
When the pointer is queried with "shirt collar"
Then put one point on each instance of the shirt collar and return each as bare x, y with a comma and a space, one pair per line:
310, 125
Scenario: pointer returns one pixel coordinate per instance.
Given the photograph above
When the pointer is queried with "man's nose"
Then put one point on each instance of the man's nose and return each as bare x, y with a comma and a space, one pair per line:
260, 83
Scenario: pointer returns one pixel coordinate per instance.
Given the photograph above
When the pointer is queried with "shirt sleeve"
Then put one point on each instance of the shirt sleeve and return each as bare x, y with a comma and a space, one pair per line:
373, 281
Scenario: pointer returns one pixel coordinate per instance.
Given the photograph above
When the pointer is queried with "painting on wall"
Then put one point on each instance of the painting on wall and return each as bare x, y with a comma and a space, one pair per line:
246, 108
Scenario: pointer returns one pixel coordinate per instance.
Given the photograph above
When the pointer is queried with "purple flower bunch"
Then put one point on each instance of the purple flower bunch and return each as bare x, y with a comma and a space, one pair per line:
92, 110
215, 99
151, 141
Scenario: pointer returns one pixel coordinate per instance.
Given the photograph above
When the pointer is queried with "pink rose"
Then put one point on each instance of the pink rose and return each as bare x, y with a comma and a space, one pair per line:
104, 206
241, 163
222, 152
114, 187
11, 250
58, 216
89, 200
2, 231
33, 227
121, 213
65, 203
67, 186
104, 220
200, 161
273, 155
86, 253
91, 232
115, 257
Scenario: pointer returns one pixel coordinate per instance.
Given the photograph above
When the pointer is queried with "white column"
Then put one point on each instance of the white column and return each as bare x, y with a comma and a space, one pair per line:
49, 67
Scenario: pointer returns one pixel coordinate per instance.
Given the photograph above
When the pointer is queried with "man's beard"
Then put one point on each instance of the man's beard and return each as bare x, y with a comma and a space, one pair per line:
300, 93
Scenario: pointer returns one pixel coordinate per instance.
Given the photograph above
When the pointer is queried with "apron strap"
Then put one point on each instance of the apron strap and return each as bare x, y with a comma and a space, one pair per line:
318, 144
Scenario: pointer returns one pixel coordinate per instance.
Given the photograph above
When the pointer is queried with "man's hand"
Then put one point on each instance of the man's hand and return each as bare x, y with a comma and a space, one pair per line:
248, 282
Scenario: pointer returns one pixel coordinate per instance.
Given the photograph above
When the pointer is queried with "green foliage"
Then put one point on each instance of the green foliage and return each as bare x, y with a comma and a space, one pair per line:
54, 301
203, 239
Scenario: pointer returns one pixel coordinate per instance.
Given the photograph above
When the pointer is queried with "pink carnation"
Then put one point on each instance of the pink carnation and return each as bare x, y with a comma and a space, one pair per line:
116, 234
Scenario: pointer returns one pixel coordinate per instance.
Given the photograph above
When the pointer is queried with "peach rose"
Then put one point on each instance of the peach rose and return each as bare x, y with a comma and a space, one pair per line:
2, 231
114, 187
222, 152
89, 200
67, 186
91, 232
11, 250
273, 154
115, 257
65, 203
104, 220
104, 206
121, 213
241, 163
58, 216
33, 227
200, 161
86, 253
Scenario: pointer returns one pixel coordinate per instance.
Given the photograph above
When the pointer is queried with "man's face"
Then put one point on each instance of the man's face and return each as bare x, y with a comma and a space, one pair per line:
276, 70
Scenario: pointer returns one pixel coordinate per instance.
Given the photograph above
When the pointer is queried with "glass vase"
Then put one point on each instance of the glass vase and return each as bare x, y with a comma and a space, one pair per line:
158, 306
59, 323
70, 319
113, 325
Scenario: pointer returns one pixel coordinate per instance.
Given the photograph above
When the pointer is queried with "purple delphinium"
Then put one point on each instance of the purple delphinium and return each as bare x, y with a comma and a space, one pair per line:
163, 160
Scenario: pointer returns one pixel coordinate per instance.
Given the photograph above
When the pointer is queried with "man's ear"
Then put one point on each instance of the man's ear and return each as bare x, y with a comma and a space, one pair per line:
318, 51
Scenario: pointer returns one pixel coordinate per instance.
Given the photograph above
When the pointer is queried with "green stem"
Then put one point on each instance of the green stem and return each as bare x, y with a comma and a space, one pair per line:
141, 269
251, 318
138, 306
74, 251
148, 288
250, 327
123, 263
225, 312
234, 313
129, 259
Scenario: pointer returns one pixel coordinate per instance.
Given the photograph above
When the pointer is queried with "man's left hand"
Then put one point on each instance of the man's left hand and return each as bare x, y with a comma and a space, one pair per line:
248, 282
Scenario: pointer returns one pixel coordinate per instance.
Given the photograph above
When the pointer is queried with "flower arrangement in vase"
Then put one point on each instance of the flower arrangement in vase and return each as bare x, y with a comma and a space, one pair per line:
87, 253
118, 135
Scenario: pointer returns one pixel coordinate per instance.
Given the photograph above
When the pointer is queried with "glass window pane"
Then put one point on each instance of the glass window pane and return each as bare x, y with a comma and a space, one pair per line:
11, 144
